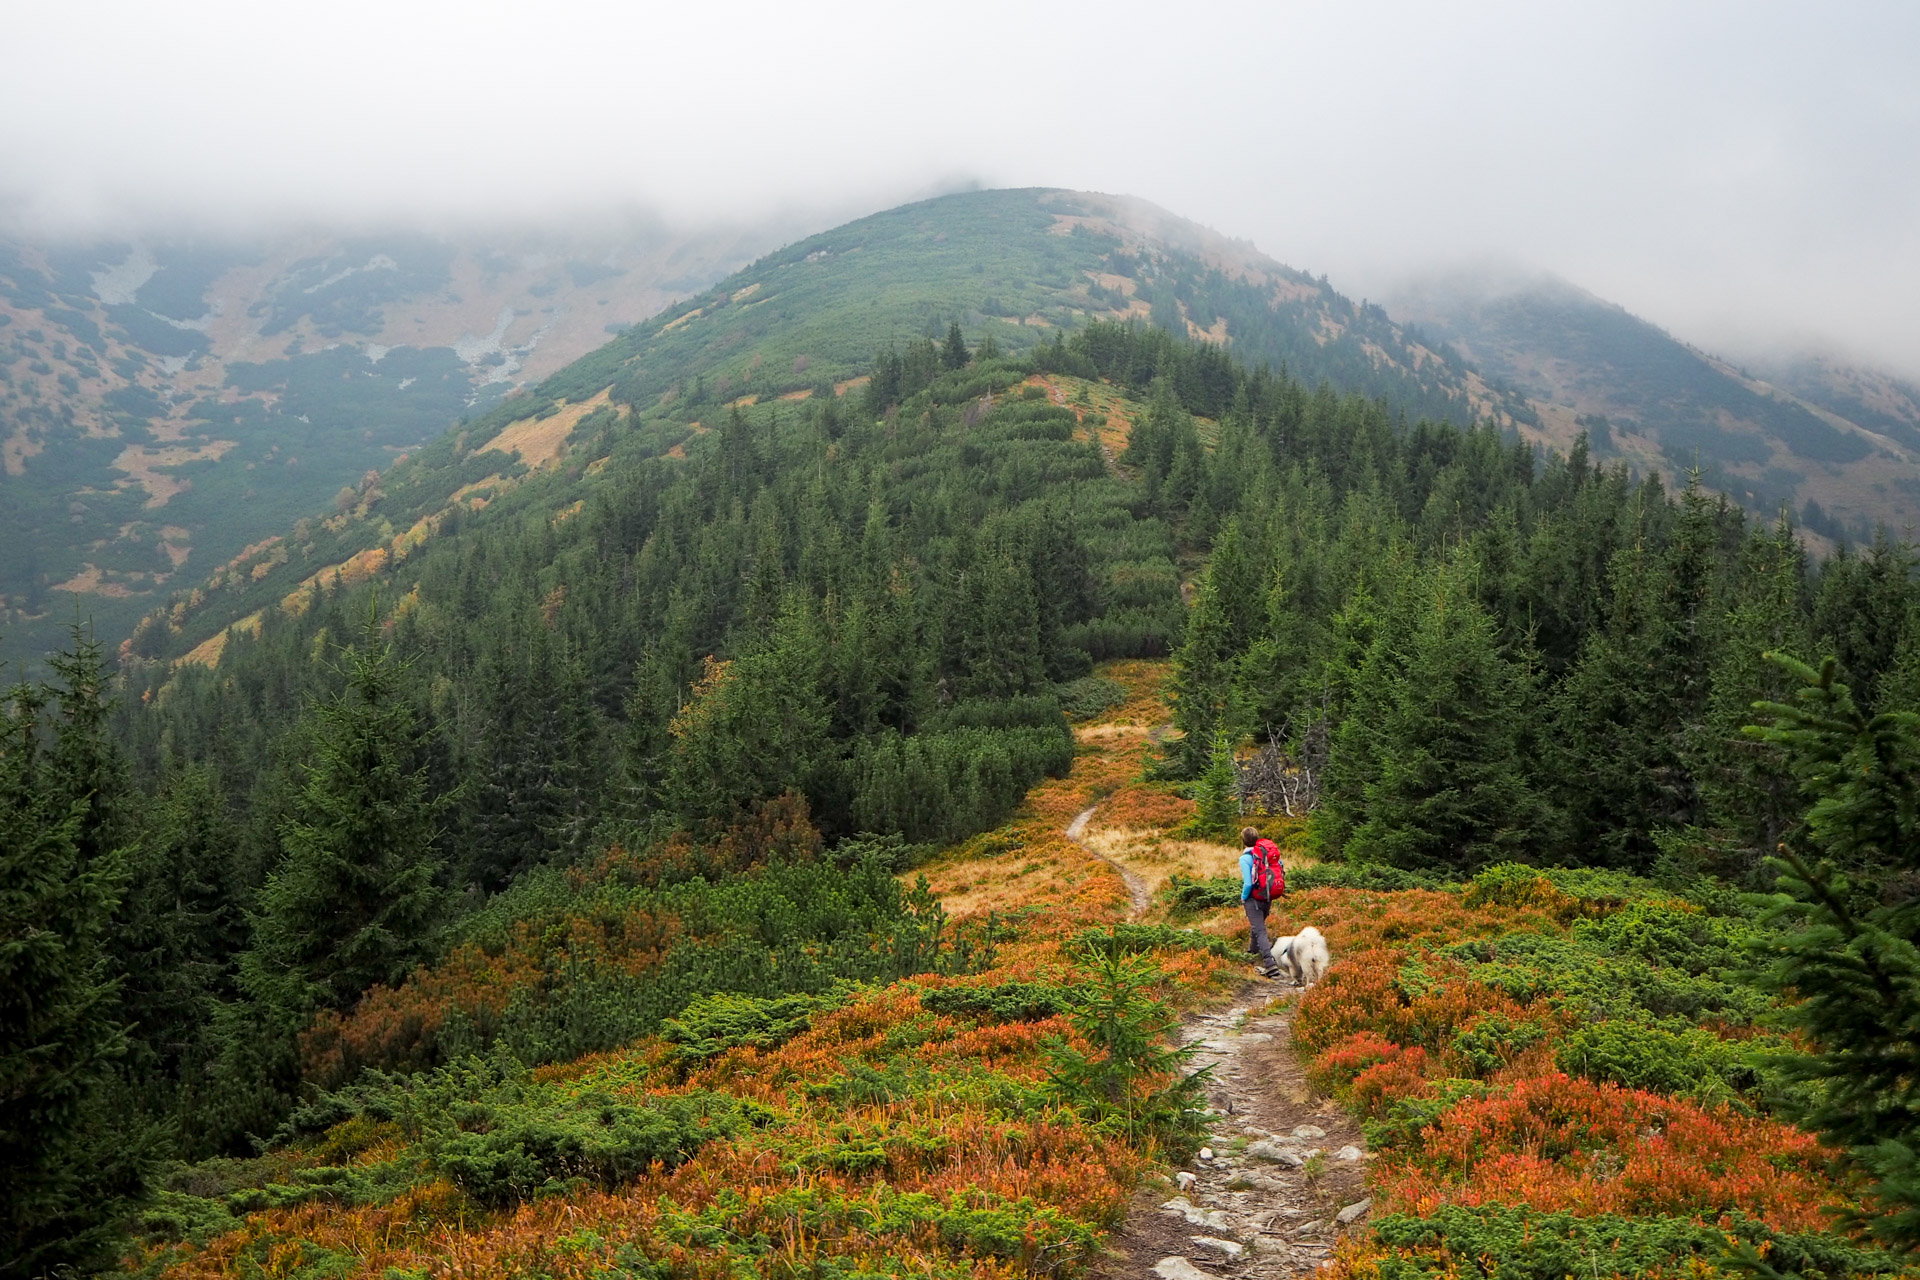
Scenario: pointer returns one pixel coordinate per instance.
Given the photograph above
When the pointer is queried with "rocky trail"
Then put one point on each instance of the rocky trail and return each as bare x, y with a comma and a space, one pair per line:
1283, 1172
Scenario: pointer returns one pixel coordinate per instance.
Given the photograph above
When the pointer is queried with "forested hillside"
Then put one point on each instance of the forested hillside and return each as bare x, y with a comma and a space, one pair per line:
530, 882
170, 401
1019, 267
1838, 444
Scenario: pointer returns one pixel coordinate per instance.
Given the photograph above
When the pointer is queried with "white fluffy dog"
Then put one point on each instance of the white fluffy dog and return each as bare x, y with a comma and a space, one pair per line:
1304, 955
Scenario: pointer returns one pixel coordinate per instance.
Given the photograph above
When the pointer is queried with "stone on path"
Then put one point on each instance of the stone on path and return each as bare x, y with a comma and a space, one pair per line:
1179, 1269
1181, 1207
1354, 1212
1309, 1131
1347, 1153
1185, 1180
1276, 1154
1231, 1248
1257, 1182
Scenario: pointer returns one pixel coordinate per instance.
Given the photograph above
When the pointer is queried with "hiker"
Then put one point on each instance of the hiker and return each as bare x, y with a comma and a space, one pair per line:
1262, 879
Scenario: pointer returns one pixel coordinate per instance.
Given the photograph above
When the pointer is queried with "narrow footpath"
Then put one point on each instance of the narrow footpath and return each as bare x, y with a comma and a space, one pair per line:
1283, 1173
1136, 886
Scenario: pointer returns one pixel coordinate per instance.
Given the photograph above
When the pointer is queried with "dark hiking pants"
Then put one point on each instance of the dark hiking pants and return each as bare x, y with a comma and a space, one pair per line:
1261, 946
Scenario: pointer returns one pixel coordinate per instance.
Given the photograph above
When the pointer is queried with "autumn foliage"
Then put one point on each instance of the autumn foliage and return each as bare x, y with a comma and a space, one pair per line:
917, 1125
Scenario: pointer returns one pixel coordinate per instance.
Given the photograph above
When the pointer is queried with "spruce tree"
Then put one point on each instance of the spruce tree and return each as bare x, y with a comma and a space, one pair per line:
181, 928
1634, 703
1748, 797
529, 801
1861, 612
354, 899
1451, 790
1217, 793
68, 1172
953, 355
86, 763
1222, 625
753, 727
1850, 946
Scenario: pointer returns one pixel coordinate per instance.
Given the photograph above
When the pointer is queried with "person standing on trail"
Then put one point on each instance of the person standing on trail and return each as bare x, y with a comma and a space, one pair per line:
1263, 877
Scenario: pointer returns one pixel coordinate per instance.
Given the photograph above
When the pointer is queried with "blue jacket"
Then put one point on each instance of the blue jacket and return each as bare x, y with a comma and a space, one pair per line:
1246, 874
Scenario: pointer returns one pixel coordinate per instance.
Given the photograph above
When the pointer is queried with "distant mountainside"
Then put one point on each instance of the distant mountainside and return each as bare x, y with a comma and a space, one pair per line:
234, 459
165, 404
1839, 444
1019, 267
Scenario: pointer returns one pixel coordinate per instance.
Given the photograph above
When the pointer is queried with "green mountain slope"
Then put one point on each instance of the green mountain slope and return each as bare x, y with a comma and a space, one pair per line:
1022, 267
165, 404
1838, 445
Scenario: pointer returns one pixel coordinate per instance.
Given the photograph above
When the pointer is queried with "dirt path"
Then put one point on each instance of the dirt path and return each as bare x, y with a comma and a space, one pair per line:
1283, 1173
1287, 1173
1136, 887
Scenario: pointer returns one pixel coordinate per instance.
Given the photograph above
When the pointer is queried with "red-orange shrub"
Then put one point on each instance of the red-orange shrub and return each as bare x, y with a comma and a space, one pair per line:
1560, 1143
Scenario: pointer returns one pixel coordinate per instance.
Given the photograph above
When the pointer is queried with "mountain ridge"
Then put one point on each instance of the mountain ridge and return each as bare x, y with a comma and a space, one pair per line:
1021, 266
1844, 439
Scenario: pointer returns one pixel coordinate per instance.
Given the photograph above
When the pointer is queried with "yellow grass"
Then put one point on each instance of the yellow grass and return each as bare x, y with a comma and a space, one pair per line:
1216, 334
538, 441
677, 321
1154, 855
142, 466
207, 652
90, 582
473, 494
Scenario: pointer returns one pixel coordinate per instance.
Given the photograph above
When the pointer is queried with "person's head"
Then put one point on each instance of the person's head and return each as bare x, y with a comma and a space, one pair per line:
1248, 835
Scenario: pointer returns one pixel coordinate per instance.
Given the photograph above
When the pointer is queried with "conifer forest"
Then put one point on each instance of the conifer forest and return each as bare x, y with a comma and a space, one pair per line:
779, 821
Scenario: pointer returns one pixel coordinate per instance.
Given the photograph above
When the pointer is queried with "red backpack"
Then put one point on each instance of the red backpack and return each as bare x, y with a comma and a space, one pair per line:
1269, 873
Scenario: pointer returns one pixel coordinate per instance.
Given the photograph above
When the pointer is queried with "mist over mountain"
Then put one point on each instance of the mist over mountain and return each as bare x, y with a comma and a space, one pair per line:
169, 407
1835, 443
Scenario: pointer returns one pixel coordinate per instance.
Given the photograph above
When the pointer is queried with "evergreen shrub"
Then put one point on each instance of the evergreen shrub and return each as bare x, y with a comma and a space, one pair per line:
1001, 1002
1515, 1242
713, 1024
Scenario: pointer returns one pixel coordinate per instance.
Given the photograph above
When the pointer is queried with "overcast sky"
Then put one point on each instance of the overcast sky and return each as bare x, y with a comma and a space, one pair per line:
1742, 173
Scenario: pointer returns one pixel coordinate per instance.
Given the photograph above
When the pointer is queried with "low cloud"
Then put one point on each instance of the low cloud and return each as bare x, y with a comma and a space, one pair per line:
1740, 173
